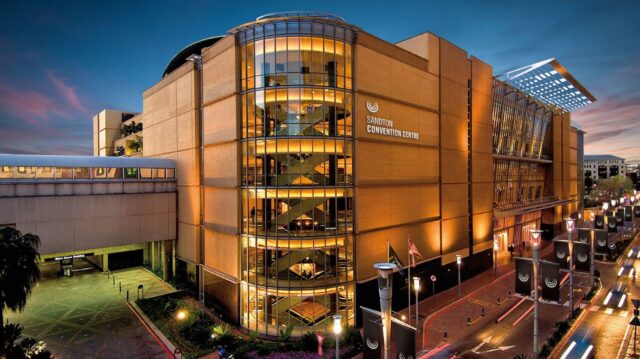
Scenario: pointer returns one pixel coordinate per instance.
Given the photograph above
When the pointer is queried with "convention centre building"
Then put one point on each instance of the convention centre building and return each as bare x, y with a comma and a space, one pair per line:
302, 148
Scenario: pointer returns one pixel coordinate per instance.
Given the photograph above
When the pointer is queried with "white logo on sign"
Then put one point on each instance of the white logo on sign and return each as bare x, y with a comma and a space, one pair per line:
582, 257
599, 222
551, 283
401, 356
523, 277
561, 254
602, 242
372, 107
373, 345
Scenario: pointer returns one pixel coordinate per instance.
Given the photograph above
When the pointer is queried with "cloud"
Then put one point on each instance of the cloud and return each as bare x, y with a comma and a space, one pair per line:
611, 117
67, 92
31, 106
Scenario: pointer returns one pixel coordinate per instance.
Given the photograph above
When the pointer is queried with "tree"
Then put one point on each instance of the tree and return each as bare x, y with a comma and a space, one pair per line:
611, 188
18, 347
19, 272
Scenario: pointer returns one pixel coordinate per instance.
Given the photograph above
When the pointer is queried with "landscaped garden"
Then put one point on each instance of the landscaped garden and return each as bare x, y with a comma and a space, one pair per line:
197, 332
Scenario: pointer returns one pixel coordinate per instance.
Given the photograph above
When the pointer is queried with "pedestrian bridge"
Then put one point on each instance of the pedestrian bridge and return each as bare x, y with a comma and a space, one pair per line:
91, 206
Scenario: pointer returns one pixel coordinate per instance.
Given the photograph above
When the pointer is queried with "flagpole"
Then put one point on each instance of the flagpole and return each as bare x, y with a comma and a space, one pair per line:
409, 279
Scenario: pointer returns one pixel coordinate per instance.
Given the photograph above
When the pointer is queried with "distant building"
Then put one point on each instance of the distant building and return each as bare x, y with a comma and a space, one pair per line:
599, 167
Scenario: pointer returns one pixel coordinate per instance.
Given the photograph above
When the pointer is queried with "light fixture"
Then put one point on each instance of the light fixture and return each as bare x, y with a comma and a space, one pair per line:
458, 259
605, 206
416, 283
337, 324
570, 222
181, 315
592, 215
613, 203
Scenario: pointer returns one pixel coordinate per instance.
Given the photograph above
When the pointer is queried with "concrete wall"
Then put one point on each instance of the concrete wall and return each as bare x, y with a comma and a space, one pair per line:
86, 222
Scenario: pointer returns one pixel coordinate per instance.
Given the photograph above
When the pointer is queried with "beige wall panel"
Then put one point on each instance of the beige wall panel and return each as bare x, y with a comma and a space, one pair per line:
7, 210
433, 49
186, 93
221, 209
455, 234
482, 227
455, 133
416, 45
482, 197
154, 227
379, 207
221, 165
388, 163
429, 90
55, 237
187, 245
187, 168
482, 138
160, 105
454, 98
481, 167
482, 108
222, 252
413, 85
219, 75
372, 70
455, 200
186, 130
454, 166
455, 65
219, 124
189, 205
372, 246
481, 76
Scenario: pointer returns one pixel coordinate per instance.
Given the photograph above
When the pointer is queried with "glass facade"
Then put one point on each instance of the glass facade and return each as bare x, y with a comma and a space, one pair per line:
517, 183
297, 182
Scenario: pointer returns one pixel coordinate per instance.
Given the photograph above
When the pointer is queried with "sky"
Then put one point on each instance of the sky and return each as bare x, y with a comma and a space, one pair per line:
63, 61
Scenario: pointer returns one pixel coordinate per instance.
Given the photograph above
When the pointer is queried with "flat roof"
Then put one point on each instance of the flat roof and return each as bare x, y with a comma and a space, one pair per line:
84, 161
551, 83
602, 157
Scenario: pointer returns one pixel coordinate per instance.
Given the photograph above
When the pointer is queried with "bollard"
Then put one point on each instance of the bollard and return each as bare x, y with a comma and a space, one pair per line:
127, 295
509, 294
114, 279
498, 300
120, 286
483, 311
468, 321
445, 335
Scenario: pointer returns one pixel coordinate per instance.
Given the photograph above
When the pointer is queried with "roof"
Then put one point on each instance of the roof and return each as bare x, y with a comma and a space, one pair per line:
84, 161
551, 83
602, 157
181, 57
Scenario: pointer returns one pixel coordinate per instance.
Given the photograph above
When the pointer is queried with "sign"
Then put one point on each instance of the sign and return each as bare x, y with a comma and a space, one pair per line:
599, 222
628, 214
550, 280
404, 338
523, 276
372, 334
383, 126
636, 211
581, 253
320, 338
62, 258
620, 218
584, 234
433, 278
602, 236
561, 251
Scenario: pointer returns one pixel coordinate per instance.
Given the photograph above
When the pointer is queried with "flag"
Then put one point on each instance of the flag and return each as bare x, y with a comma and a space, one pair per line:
393, 257
413, 251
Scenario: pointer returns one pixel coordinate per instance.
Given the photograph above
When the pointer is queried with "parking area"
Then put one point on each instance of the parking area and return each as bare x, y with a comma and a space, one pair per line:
86, 315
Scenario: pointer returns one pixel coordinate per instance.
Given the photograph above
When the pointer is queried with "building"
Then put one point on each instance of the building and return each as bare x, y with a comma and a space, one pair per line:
599, 167
305, 146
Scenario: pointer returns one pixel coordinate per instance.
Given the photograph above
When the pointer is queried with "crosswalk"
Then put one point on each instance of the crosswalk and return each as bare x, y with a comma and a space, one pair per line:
610, 311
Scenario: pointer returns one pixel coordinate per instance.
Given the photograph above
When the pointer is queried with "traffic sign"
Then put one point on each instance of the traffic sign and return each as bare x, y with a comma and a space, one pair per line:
636, 302
635, 322
612, 245
433, 278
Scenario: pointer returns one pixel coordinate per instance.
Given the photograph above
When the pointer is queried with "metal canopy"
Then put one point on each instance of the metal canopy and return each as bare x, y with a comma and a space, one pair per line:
551, 83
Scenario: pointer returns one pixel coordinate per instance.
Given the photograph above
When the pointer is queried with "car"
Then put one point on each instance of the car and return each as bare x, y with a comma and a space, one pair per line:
617, 295
627, 269
634, 252
580, 346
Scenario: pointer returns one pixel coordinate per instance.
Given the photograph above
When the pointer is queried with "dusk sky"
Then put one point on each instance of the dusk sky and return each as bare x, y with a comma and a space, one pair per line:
63, 61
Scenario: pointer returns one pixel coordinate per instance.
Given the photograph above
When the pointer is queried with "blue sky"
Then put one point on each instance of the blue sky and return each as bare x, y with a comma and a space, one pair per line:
63, 61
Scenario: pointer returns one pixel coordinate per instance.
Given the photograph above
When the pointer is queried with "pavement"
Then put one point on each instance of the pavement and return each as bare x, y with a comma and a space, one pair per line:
86, 316
485, 337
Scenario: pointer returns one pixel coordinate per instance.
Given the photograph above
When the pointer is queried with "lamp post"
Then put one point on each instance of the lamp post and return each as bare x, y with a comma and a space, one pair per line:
459, 262
416, 287
592, 216
613, 204
337, 329
535, 246
385, 291
605, 207
570, 225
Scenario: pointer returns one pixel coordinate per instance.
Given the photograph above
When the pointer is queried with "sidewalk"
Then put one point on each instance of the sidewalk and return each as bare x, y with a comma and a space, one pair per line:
478, 293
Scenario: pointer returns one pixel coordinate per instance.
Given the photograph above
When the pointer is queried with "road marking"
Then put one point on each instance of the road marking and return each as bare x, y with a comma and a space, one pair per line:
624, 313
608, 311
595, 308
623, 340
486, 340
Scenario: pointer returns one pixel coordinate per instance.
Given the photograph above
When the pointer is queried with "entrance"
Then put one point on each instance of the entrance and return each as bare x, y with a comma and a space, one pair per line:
129, 259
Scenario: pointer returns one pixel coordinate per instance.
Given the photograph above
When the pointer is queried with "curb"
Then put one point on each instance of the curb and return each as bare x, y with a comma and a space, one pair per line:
166, 345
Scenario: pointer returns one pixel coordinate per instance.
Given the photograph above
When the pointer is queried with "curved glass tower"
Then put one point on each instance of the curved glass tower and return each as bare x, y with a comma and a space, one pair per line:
297, 183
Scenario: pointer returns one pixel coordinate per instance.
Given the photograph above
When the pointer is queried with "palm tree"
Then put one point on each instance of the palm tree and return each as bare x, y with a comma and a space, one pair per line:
19, 271
17, 346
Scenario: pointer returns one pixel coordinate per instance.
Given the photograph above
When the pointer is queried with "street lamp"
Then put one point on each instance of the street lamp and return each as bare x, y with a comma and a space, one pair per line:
570, 226
337, 329
416, 287
535, 246
592, 215
385, 291
613, 204
605, 206
459, 262
495, 254
181, 315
